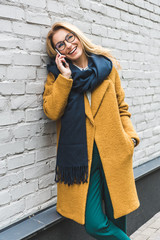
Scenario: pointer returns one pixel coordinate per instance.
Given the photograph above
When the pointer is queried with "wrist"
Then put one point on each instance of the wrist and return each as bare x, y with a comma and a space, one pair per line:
67, 75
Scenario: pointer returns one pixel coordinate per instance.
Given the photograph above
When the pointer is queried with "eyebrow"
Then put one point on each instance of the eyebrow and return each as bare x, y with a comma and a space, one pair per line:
64, 38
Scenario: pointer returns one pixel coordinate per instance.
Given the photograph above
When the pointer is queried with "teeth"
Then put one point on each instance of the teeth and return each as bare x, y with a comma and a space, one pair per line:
73, 50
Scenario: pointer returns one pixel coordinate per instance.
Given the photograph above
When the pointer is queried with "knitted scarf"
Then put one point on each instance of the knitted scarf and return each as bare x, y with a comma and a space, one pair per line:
72, 155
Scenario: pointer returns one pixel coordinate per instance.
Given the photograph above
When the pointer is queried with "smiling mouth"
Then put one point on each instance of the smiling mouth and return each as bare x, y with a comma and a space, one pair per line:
74, 49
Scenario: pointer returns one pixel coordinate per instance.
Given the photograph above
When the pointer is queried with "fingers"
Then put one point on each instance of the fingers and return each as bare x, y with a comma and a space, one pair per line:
59, 59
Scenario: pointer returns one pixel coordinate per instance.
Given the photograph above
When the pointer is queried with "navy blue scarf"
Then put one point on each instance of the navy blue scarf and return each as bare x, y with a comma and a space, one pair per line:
72, 155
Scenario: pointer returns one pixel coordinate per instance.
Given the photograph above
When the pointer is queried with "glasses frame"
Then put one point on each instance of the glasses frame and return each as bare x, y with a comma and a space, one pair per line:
65, 40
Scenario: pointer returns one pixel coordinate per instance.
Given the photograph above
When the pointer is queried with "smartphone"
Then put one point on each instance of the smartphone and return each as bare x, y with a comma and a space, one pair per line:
58, 51
60, 54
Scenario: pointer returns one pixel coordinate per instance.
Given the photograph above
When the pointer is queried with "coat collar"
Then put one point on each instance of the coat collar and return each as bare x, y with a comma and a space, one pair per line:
96, 100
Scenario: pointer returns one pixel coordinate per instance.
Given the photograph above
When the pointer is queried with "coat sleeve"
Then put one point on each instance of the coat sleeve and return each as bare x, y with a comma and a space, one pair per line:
123, 110
55, 95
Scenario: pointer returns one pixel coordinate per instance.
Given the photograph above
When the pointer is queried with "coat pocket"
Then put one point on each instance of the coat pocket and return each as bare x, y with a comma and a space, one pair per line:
130, 142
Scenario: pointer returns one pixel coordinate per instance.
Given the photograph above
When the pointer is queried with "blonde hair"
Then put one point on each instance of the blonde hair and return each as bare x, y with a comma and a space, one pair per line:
87, 45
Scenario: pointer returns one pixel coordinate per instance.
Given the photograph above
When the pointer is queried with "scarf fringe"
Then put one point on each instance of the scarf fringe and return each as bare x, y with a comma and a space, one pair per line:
71, 175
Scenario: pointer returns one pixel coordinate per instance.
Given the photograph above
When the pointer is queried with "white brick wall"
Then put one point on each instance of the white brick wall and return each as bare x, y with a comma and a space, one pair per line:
27, 137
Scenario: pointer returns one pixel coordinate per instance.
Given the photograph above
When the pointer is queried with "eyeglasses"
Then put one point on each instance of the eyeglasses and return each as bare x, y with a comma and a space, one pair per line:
70, 37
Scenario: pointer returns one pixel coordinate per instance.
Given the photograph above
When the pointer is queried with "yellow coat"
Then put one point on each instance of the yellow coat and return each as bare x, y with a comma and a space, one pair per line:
108, 122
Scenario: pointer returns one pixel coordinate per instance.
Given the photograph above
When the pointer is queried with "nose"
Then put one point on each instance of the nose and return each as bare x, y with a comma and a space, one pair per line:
68, 45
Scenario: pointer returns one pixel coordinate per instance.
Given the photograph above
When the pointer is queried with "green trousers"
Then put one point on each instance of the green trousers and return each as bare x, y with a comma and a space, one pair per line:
98, 224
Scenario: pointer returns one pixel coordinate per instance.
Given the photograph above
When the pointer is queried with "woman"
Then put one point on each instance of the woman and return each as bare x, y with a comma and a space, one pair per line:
95, 136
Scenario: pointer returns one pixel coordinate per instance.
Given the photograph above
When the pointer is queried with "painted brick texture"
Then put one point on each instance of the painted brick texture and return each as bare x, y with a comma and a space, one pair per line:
131, 29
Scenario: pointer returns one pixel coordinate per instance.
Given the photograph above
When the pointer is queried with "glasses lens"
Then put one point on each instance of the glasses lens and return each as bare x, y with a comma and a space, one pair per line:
70, 37
60, 46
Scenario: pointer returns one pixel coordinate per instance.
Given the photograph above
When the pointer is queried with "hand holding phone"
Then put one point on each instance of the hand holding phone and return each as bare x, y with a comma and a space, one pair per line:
62, 65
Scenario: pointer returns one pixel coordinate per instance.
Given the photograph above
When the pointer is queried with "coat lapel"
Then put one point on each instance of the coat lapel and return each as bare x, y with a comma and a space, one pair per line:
97, 96
88, 110
96, 99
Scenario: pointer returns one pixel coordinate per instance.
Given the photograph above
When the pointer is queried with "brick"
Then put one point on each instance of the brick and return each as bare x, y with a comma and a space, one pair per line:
11, 117
36, 171
23, 189
133, 9
26, 130
96, 7
12, 12
12, 209
23, 102
121, 5
34, 114
5, 135
55, 7
38, 142
20, 160
38, 18
8, 88
3, 72
4, 197
53, 164
38, 198
42, 73
109, 22
99, 30
48, 128
6, 26
122, 25
156, 130
147, 133
107, 42
54, 190
3, 168
114, 13
15, 177
35, 88
72, 12
96, 39
11, 42
33, 45
4, 182
134, 28
141, 126
125, 16
145, 107
46, 180
11, 148
45, 153
109, 2
26, 29
26, 59
85, 27
147, 99
5, 58
21, 73
155, 106
84, 4
40, 4
3, 103
112, 33
144, 13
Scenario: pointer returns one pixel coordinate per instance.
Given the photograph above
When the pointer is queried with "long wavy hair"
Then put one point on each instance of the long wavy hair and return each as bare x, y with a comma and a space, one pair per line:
87, 45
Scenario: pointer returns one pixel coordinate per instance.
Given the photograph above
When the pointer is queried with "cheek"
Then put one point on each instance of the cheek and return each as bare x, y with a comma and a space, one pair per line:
80, 47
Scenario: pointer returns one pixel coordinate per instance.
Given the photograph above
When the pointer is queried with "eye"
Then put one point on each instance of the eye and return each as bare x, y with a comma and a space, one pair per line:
70, 37
60, 45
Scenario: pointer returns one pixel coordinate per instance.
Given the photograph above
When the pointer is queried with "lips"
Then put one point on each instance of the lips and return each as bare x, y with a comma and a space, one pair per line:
72, 51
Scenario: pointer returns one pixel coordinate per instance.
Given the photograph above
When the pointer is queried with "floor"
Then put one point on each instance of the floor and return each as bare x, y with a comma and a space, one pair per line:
149, 231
